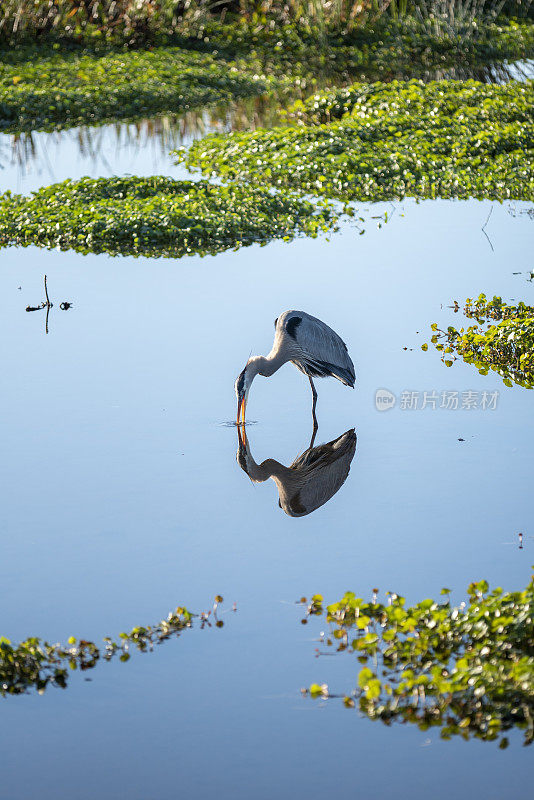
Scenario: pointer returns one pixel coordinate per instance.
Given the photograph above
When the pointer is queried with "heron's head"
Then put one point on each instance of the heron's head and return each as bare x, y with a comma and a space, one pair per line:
242, 385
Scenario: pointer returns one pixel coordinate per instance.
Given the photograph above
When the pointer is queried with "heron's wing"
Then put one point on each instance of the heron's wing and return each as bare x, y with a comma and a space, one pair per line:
323, 351
317, 475
325, 454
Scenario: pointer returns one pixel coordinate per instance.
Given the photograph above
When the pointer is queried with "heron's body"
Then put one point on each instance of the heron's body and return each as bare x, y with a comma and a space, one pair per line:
310, 344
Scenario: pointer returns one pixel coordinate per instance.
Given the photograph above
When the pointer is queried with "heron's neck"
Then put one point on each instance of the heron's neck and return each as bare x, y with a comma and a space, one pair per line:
265, 365
267, 469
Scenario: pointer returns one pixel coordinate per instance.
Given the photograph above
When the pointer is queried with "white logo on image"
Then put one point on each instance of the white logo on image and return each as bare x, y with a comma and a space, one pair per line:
384, 399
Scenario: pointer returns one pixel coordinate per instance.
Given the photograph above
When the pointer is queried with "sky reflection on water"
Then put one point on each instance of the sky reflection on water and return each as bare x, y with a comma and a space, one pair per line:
122, 498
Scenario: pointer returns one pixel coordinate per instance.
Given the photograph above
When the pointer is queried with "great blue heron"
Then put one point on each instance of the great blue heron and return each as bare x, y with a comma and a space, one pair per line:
311, 345
312, 479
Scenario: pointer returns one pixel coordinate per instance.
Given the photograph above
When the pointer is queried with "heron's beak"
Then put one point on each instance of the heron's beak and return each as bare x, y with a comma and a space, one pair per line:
242, 438
242, 448
241, 404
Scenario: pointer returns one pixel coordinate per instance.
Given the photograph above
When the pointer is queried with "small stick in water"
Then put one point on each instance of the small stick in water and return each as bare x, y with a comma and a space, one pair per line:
48, 303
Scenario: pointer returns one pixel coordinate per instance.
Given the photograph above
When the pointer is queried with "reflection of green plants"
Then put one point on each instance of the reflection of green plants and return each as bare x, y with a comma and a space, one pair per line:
133, 22
36, 664
443, 139
155, 216
467, 670
53, 88
462, 18
382, 47
506, 347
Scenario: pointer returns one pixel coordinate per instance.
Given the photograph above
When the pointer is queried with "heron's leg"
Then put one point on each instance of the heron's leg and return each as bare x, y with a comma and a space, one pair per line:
314, 403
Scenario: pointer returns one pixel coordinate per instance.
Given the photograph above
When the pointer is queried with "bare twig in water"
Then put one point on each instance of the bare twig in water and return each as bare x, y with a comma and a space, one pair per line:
484, 229
48, 305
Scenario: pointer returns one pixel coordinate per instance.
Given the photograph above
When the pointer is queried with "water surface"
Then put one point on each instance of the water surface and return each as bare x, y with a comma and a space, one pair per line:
122, 498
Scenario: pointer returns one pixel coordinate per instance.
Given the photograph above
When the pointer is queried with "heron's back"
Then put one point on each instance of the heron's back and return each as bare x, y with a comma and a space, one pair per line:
314, 347
316, 475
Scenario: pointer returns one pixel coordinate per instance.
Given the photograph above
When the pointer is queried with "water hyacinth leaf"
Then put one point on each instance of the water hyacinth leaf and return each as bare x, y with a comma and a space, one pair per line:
364, 677
318, 690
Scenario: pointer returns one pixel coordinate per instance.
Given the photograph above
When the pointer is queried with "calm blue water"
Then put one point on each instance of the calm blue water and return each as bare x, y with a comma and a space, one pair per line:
122, 498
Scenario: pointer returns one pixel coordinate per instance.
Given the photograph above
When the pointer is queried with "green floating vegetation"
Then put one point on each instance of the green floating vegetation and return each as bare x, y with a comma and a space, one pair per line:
155, 216
82, 72
468, 670
61, 88
35, 664
507, 347
468, 102
390, 140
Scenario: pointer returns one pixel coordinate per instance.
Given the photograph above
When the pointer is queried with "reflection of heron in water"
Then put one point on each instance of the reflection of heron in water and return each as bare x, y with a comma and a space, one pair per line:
313, 477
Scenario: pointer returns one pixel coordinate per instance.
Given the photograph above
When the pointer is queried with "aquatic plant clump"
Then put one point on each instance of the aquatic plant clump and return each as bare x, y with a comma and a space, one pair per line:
468, 670
386, 141
375, 49
466, 101
35, 664
64, 88
155, 216
506, 347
